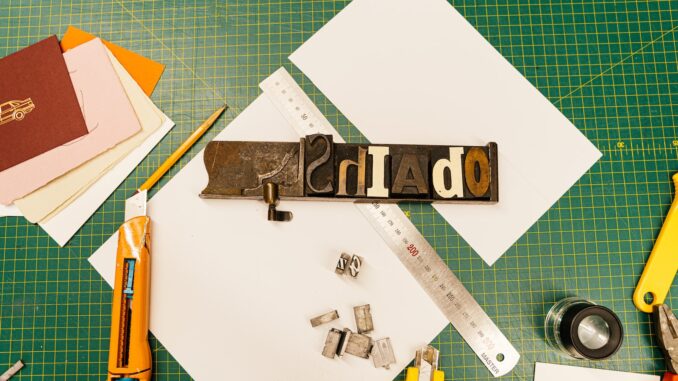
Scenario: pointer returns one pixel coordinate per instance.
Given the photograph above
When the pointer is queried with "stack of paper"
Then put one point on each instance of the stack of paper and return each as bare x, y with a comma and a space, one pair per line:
61, 187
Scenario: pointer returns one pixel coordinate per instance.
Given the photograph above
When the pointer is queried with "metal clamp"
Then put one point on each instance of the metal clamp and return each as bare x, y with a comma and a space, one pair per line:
272, 198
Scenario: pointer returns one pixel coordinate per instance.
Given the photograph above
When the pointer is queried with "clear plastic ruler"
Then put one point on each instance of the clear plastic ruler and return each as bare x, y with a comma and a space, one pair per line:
416, 254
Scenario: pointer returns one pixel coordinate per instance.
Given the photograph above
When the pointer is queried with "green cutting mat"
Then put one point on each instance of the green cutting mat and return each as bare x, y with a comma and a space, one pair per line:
609, 66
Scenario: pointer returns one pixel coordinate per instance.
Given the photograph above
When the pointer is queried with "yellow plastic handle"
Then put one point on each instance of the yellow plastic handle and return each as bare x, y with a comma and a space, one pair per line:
662, 265
413, 375
129, 334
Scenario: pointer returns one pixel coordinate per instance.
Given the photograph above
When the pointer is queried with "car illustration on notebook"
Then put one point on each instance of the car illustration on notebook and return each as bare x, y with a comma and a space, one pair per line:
15, 110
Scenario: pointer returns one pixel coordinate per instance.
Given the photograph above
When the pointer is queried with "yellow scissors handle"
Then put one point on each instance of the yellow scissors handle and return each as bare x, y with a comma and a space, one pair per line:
662, 265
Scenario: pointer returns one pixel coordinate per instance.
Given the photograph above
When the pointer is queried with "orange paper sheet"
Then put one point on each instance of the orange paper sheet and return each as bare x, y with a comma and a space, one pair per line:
145, 72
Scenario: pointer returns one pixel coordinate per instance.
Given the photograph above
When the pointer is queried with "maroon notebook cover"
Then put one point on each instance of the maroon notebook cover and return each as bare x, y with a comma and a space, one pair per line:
38, 106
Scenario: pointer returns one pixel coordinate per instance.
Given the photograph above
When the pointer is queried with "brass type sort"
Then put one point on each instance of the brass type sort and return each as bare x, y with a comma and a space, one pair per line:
342, 263
332, 343
363, 318
382, 353
324, 318
351, 263
358, 345
355, 265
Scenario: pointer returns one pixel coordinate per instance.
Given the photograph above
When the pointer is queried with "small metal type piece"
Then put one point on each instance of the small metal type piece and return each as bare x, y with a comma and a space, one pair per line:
14, 369
332, 343
342, 263
358, 344
581, 329
345, 334
666, 326
340, 342
272, 198
363, 318
425, 366
382, 353
355, 265
324, 318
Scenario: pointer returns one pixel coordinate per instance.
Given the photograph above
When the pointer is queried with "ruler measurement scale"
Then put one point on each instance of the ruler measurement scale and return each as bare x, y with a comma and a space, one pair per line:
295, 106
403, 238
440, 283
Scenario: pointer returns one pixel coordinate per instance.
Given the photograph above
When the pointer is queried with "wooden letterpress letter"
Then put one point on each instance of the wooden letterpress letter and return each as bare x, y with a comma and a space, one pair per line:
378, 185
409, 169
319, 171
346, 180
477, 171
447, 160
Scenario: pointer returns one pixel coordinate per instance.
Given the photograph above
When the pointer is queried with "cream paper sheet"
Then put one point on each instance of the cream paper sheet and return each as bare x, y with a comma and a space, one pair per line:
233, 293
59, 193
416, 72
555, 372
9, 211
108, 114
63, 225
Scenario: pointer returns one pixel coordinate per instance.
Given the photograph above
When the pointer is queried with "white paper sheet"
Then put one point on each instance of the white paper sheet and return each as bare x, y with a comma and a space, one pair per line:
416, 72
63, 225
233, 293
554, 372
9, 211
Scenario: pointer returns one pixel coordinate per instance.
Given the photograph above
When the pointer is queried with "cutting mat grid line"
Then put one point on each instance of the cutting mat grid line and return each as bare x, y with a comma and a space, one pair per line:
609, 66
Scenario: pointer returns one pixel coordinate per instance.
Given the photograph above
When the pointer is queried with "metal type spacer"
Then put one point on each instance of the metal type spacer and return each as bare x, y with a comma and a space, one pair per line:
332, 343
342, 263
357, 344
363, 318
355, 265
382, 353
339, 342
426, 360
324, 318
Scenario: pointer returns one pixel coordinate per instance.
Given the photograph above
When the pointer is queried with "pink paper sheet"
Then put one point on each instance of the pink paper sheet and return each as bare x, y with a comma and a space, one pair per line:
108, 114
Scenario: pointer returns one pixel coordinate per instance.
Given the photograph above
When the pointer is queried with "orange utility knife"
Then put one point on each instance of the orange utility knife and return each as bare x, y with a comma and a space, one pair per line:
129, 357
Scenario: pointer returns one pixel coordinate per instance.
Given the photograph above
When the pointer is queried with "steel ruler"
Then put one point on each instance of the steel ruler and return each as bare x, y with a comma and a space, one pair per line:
416, 254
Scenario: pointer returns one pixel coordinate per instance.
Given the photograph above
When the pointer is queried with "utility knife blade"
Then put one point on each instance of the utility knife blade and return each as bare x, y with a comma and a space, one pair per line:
135, 206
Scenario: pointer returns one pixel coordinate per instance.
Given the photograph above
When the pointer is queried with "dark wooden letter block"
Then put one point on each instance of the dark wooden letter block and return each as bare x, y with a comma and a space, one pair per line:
319, 167
410, 172
350, 168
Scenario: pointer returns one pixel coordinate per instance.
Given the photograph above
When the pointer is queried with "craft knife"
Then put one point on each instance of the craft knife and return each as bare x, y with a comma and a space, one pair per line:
129, 351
